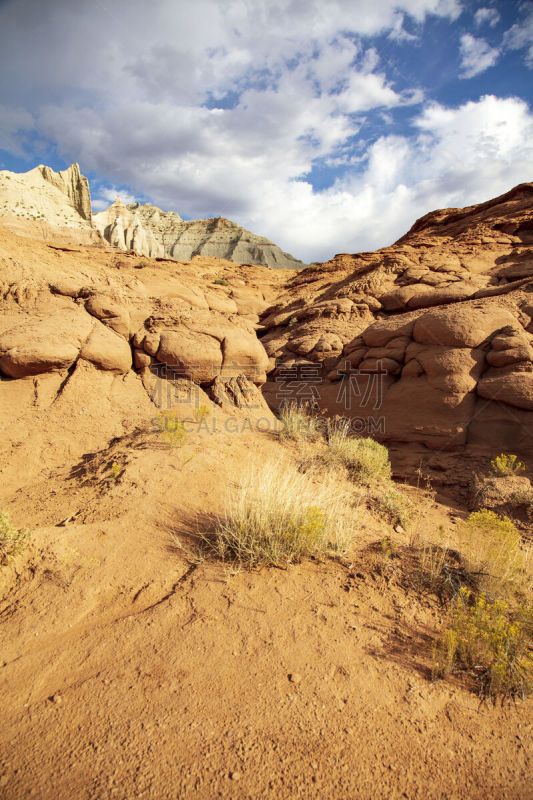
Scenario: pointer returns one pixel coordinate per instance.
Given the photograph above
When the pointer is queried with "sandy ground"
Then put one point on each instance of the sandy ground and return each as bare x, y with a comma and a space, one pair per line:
131, 667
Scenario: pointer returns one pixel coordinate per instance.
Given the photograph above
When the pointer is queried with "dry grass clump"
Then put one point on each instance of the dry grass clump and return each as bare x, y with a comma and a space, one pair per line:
12, 540
279, 515
491, 643
489, 632
365, 459
299, 424
492, 548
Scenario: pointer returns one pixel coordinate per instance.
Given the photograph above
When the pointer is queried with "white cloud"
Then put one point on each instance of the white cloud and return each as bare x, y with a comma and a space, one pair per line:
106, 195
520, 37
487, 16
476, 56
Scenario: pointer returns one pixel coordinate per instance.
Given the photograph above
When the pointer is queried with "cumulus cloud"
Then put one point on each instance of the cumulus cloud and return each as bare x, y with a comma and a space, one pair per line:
458, 156
105, 195
476, 55
486, 16
520, 37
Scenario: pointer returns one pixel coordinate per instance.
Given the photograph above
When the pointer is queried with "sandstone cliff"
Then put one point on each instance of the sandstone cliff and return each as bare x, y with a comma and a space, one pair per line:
152, 232
430, 340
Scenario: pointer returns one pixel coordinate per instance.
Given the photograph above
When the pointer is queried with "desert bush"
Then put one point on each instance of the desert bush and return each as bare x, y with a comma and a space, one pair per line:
523, 498
485, 639
506, 464
395, 507
115, 471
221, 282
171, 428
12, 540
279, 515
365, 459
298, 423
202, 412
492, 549
440, 570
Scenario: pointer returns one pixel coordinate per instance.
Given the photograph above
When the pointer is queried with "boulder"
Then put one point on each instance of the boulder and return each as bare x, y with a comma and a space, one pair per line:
463, 326
193, 355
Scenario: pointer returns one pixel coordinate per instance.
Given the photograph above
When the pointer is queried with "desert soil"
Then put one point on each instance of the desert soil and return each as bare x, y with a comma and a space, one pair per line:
133, 667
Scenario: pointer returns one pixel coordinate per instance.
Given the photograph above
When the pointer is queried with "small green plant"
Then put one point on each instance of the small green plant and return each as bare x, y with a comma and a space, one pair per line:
12, 540
202, 412
490, 643
279, 515
115, 471
298, 423
506, 464
387, 553
171, 428
365, 459
395, 507
221, 282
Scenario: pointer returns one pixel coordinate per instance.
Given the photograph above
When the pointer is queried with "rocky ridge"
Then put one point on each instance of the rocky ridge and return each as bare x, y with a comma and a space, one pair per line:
48, 205
152, 232
57, 206
427, 343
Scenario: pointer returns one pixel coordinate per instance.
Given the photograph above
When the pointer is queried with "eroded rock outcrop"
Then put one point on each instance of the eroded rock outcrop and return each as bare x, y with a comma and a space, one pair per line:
165, 326
47, 204
430, 341
151, 232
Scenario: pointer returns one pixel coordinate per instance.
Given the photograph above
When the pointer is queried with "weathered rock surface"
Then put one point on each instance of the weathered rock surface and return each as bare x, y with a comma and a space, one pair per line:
48, 204
430, 340
69, 313
152, 232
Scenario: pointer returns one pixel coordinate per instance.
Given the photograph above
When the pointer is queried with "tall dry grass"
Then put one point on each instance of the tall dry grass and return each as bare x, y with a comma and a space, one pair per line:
279, 515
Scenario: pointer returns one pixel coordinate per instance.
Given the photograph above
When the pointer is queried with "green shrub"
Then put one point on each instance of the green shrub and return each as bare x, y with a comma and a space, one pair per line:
366, 459
395, 507
12, 540
115, 471
506, 464
483, 638
221, 282
202, 412
279, 515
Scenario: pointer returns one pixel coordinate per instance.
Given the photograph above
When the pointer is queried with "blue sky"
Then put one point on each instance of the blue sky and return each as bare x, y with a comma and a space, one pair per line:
326, 126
